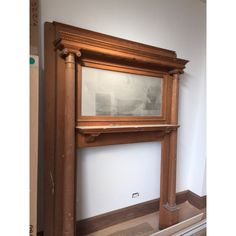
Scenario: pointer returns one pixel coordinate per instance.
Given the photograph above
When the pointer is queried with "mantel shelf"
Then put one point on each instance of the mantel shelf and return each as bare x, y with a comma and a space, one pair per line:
125, 128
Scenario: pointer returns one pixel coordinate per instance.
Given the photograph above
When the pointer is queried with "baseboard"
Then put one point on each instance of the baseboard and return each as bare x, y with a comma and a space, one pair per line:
105, 220
99, 222
195, 200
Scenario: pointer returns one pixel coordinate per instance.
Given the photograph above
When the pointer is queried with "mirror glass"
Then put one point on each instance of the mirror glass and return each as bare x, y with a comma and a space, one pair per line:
111, 93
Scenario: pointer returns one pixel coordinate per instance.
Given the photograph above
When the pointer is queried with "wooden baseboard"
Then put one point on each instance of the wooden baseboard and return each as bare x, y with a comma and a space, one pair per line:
105, 220
196, 200
99, 222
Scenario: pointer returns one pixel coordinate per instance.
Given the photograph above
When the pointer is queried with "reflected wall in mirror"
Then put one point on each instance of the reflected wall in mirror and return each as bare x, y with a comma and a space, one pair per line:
111, 93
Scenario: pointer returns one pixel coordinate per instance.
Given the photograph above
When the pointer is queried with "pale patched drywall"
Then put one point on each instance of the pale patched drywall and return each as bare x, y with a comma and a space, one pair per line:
110, 174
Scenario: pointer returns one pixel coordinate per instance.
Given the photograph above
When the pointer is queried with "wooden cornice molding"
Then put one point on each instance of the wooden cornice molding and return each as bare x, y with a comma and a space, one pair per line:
93, 44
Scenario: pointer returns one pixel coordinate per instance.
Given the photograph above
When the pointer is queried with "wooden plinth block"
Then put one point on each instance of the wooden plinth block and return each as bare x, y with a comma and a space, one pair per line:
168, 216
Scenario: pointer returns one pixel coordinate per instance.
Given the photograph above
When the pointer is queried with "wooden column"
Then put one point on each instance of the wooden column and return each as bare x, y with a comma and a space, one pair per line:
168, 209
68, 201
173, 142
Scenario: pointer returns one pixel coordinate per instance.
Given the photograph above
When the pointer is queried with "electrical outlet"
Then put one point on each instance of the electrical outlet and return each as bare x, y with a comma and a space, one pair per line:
135, 195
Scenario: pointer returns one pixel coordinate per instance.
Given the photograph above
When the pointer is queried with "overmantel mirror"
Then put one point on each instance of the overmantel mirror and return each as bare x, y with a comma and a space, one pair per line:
102, 90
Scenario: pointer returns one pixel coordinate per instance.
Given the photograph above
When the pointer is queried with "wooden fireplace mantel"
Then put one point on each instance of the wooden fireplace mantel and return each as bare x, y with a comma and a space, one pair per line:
67, 50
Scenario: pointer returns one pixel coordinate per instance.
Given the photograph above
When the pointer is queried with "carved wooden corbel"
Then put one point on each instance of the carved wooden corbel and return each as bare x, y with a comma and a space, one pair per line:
169, 129
92, 137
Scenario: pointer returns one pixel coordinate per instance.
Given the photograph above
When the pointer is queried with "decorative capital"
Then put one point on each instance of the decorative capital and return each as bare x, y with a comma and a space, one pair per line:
64, 51
67, 54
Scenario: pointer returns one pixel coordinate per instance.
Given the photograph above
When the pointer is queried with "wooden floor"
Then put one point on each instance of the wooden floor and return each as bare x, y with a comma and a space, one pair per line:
186, 211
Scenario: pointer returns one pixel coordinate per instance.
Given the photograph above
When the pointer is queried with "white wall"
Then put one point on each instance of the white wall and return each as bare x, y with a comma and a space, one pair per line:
110, 174
107, 177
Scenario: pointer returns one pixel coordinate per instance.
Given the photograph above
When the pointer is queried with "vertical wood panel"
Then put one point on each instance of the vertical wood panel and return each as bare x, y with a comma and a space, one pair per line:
175, 99
49, 126
164, 169
59, 137
172, 170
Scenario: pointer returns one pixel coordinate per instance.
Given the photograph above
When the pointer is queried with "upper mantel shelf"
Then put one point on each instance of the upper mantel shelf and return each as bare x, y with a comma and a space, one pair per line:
125, 128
